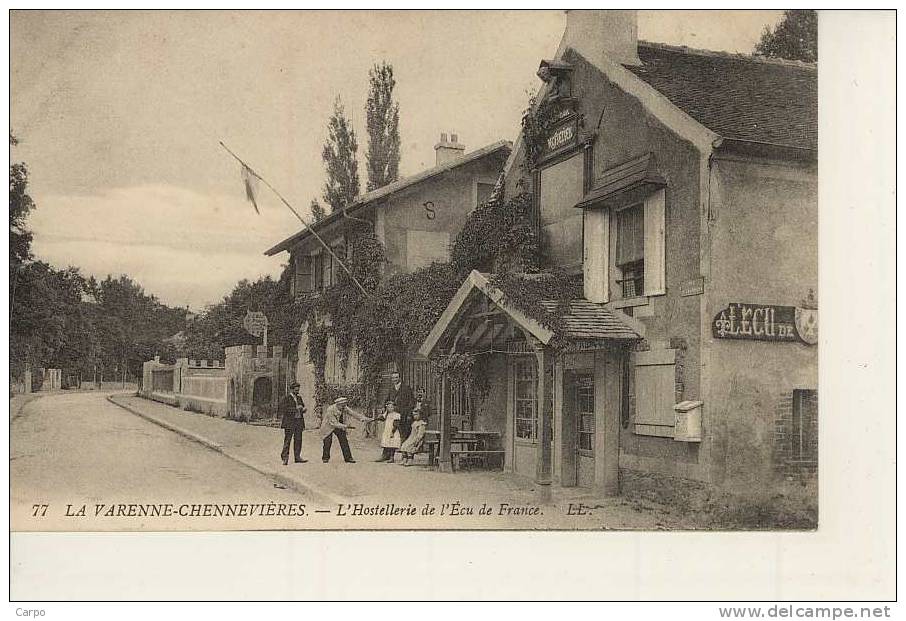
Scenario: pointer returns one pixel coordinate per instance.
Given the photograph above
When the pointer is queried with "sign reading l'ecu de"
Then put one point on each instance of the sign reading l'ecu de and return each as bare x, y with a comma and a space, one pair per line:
766, 322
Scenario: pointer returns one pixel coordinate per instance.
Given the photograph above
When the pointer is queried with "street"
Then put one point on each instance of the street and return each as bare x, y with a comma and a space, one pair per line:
79, 449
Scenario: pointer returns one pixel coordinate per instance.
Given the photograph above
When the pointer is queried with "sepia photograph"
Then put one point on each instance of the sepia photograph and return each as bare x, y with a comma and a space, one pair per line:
427, 270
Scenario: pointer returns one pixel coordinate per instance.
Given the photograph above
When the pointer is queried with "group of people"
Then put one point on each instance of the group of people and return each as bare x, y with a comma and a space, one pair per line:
405, 417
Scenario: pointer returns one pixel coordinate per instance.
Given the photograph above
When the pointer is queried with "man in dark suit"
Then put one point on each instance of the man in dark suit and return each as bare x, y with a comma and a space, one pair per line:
292, 410
402, 396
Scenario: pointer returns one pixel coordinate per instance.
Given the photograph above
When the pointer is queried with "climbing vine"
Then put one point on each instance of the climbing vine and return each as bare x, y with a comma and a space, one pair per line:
537, 119
498, 236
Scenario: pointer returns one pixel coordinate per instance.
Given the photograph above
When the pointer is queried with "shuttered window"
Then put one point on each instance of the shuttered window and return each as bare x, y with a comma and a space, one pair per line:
655, 384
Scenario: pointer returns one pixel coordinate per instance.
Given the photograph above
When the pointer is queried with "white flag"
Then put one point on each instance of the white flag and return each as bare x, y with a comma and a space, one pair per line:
251, 186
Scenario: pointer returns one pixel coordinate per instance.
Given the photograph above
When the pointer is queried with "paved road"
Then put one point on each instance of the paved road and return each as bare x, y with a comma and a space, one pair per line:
79, 449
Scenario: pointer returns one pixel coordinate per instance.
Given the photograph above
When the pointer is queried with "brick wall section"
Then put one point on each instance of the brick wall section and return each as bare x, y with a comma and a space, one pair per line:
786, 464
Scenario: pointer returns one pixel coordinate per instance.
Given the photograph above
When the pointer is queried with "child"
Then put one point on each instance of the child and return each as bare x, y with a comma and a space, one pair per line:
413, 443
390, 440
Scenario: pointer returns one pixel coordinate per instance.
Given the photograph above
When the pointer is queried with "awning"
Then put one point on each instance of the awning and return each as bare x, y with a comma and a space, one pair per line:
624, 184
582, 320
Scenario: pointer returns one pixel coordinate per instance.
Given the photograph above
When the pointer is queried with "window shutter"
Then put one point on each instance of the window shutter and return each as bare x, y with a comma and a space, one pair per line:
303, 279
596, 259
655, 377
655, 254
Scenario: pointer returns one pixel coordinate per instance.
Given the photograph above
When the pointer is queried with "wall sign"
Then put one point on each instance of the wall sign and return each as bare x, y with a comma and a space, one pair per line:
766, 322
562, 137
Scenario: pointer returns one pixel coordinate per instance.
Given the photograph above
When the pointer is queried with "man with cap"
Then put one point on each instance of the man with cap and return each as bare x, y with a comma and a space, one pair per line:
292, 410
334, 424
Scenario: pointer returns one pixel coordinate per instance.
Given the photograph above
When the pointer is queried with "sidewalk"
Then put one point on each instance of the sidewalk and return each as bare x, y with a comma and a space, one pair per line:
374, 484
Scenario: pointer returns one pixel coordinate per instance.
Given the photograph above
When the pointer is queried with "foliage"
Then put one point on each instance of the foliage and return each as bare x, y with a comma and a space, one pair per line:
536, 121
325, 394
20, 204
318, 334
794, 38
382, 117
525, 293
221, 326
317, 211
497, 236
339, 155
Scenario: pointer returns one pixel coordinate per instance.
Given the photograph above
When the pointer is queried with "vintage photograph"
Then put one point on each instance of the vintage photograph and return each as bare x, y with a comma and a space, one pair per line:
414, 270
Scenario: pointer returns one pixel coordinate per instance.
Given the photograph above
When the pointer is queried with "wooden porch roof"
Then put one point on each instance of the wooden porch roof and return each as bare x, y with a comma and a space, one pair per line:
582, 320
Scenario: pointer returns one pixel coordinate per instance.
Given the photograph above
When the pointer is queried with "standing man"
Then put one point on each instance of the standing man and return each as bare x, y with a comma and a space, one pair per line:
334, 424
402, 396
292, 410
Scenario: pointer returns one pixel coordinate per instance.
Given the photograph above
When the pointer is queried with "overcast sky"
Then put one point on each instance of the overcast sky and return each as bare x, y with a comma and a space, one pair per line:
119, 116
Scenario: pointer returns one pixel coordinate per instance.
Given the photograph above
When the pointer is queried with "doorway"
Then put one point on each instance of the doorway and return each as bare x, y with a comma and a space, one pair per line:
582, 387
262, 392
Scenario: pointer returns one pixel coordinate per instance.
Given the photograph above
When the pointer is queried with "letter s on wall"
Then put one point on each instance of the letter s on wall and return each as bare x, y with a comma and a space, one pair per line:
429, 210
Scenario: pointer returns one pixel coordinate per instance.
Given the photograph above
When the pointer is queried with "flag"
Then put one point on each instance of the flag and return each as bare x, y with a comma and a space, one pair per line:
250, 179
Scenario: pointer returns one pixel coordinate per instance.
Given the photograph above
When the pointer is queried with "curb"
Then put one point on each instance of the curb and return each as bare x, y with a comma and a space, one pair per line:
303, 488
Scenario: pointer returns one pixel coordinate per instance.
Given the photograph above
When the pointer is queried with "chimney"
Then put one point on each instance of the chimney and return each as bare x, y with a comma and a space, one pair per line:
599, 34
447, 150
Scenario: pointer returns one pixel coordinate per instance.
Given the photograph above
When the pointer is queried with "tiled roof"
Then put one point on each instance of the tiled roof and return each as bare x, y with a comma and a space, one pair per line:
739, 97
587, 320
391, 188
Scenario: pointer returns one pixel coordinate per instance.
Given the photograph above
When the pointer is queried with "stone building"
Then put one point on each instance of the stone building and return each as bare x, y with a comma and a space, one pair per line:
246, 385
680, 187
416, 218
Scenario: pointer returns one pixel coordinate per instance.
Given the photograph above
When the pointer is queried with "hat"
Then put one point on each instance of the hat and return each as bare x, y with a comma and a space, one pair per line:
340, 400
294, 385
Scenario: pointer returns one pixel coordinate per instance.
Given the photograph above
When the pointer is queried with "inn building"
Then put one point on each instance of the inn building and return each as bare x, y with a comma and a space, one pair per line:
416, 218
680, 187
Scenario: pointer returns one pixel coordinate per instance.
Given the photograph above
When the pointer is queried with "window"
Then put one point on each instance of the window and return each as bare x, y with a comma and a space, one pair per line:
804, 433
585, 412
525, 394
302, 281
317, 271
630, 250
484, 193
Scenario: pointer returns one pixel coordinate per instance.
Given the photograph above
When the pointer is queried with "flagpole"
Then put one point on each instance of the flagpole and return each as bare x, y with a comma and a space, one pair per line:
296, 213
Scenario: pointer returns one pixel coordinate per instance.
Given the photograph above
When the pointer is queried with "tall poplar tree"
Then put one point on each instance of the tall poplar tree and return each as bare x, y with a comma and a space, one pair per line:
339, 155
382, 115
317, 212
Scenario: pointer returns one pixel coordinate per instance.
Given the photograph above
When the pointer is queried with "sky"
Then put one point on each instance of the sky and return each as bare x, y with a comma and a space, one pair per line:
119, 115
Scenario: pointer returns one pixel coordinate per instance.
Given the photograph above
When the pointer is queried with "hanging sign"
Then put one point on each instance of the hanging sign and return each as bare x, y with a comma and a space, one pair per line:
766, 322
562, 137
255, 323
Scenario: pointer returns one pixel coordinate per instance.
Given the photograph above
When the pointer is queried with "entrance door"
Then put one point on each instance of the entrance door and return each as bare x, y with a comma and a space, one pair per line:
584, 387
261, 397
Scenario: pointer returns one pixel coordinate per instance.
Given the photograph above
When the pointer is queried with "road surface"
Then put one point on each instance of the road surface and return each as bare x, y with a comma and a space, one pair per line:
80, 453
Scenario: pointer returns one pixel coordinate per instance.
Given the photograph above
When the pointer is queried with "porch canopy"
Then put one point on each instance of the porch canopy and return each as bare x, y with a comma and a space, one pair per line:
480, 319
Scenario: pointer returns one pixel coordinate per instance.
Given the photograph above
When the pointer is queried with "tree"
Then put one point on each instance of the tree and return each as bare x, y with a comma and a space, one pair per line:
382, 116
339, 155
794, 38
317, 212
20, 204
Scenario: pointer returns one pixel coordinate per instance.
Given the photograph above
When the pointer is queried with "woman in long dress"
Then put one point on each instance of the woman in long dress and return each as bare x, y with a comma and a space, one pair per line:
416, 439
390, 440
